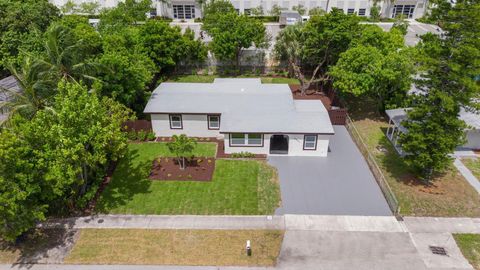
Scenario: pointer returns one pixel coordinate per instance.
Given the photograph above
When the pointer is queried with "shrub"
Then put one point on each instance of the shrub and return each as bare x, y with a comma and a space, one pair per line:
132, 135
141, 135
243, 155
151, 136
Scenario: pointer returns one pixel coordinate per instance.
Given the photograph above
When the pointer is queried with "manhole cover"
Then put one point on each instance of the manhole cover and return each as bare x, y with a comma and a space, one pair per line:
438, 250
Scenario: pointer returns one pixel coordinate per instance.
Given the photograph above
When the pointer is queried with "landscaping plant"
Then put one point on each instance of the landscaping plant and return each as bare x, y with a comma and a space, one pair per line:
182, 146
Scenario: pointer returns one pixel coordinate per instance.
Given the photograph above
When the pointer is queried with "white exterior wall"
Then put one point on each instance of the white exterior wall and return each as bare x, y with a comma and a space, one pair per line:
295, 146
473, 139
166, 9
194, 125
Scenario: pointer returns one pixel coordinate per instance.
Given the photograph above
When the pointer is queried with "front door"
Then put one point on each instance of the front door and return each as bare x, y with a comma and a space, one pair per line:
279, 144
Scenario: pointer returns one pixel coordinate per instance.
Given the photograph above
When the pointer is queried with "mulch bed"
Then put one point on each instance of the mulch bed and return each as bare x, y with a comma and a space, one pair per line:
168, 169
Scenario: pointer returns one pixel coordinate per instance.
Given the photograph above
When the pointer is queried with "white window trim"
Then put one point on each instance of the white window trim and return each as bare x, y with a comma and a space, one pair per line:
246, 141
209, 121
305, 142
172, 121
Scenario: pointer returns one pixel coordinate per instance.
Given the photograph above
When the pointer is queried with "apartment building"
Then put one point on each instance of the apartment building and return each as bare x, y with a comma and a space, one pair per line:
190, 9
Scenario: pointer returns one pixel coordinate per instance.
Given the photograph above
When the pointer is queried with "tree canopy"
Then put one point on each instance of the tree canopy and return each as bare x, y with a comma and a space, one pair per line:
59, 168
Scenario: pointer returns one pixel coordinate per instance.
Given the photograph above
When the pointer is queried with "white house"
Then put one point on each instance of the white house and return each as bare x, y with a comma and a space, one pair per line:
472, 132
248, 115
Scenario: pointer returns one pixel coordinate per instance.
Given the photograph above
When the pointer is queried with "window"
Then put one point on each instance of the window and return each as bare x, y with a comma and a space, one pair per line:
310, 142
350, 11
361, 12
247, 11
244, 139
213, 121
176, 121
405, 10
184, 11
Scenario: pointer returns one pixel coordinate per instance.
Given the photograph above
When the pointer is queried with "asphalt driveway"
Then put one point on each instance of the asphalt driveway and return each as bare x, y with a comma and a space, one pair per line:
340, 184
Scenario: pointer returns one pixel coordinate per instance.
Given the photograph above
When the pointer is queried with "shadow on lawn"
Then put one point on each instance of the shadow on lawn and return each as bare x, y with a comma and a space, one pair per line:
130, 178
45, 246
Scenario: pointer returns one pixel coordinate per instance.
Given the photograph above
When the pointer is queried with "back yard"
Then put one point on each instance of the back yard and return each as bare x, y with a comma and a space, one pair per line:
238, 187
450, 195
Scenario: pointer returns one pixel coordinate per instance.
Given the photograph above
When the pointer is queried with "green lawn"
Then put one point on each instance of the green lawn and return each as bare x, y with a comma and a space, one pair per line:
238, 187
469, 244
473, 164
450, 194
210, 78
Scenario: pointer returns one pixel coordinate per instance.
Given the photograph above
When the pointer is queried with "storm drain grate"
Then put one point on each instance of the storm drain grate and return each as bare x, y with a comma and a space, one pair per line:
438, 250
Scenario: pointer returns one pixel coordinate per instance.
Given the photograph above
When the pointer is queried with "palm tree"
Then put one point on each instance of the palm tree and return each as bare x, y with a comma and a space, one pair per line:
36, 88
65, 55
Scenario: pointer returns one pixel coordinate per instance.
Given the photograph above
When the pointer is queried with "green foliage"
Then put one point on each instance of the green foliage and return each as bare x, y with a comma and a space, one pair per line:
53, 169
132, 135
258, 11
448, 67
151, 136
167, 46
141, 135
375, 13
126, 13
300, 9
89, 7
316, 44
377, 65
316, 11
182, 146
401, 24
215, 8
434, 131
232, 33
243, 155
22, 23
276, 10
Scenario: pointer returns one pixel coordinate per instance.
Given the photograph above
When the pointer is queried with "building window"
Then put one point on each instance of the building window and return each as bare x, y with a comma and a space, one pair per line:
350, 11
176, 121
310, 142
213, 121
247, 11
246, 139
184, 12
361, 12
405, 10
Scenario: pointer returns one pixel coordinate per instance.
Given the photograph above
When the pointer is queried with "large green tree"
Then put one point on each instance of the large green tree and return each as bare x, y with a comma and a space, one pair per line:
126, 13
168, 47
449, 66
22, 23
232, 33
59, 168
320, 42
377, 65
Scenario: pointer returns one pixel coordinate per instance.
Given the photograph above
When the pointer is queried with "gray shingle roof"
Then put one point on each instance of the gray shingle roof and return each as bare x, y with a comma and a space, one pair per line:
246, 105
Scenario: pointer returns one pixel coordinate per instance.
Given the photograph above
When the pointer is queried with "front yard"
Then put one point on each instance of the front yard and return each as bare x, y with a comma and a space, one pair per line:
176, 247
473, 164
450, 195
238, 187
469, 244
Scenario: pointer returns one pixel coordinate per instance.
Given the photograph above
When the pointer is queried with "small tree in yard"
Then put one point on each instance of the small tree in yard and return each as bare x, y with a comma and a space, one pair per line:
181, 146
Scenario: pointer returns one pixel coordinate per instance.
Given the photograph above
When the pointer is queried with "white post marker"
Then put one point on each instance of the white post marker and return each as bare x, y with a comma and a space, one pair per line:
248, 248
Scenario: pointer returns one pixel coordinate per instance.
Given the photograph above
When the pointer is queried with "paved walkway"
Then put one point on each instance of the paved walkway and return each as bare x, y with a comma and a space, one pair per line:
341, 184
467, 174
442, 225
169, 222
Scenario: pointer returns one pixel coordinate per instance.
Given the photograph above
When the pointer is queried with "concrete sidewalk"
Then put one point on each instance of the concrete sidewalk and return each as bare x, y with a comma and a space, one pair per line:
287, 222
442, 225
169, 222
467, 174
121, 267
